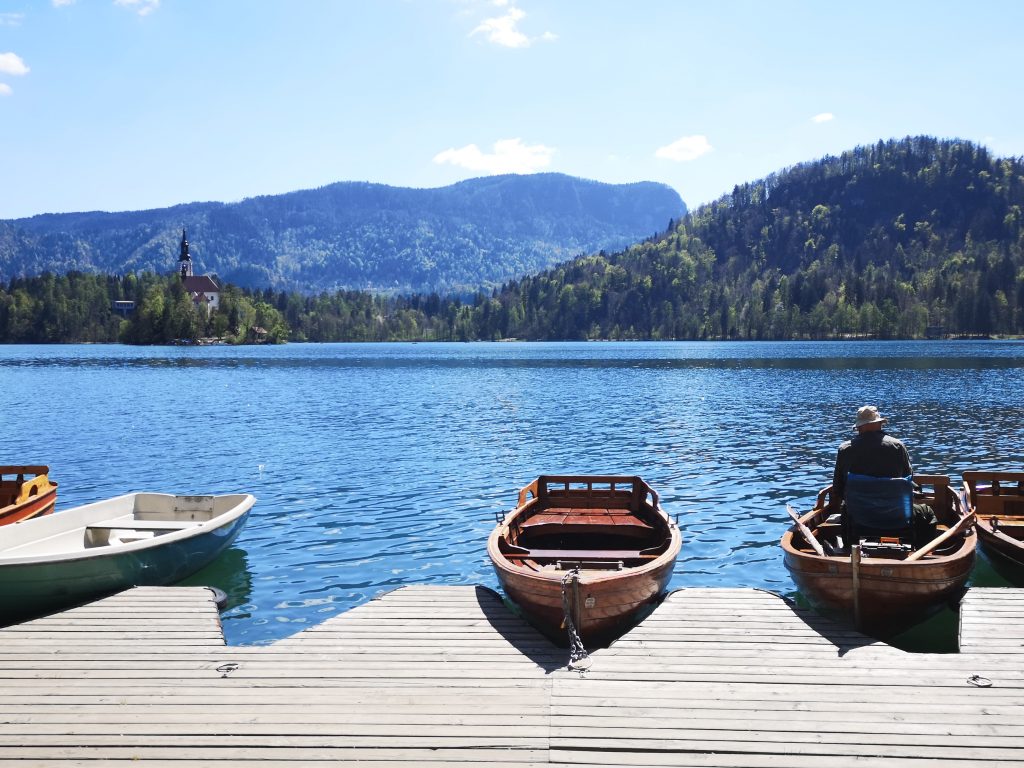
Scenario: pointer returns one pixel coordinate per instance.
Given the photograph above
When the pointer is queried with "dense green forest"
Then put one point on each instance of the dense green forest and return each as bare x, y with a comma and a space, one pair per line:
480, 232
886, 241
79, 307
891, 240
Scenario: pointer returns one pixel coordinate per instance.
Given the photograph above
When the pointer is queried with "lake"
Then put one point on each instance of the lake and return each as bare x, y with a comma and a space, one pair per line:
378, 465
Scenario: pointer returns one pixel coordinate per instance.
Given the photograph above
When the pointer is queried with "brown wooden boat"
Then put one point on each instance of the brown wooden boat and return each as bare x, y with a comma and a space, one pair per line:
592, 550
997, 500
23, 497
883, 585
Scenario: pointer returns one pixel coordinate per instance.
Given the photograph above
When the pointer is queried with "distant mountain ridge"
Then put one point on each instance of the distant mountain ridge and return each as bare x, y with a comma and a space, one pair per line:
356, 235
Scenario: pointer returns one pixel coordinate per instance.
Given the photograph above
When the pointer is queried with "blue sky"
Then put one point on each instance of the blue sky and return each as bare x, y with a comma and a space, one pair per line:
132, 104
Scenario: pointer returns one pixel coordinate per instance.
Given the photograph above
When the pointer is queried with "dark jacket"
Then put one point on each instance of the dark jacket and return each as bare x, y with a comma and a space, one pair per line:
869, 453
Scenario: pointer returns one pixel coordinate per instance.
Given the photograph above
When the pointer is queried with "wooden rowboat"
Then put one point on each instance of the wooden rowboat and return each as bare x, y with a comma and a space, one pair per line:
883, 586
585, 552
997, 499
21, 498
138, 539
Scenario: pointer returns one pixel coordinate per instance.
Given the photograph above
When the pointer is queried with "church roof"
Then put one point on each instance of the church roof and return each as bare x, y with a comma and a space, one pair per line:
200, 284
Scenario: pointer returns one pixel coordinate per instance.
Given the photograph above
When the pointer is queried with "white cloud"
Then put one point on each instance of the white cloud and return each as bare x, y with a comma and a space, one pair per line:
61, 3
141, 7
824, 117
503, 30
5, 89
509, 156
685, 149
11, 19
11, 64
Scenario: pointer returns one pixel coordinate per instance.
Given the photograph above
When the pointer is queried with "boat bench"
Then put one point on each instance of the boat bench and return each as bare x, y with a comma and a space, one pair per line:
589, 516
580, 554
144, 525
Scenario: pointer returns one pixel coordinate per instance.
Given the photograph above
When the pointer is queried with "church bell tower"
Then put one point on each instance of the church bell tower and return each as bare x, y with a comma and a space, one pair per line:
184, 260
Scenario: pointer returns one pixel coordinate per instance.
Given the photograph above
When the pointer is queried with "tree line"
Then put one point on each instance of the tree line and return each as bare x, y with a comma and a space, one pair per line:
900, 239
81, 307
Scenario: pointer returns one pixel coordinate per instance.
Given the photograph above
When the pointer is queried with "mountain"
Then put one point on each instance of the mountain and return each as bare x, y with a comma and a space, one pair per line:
480, 232
897, 239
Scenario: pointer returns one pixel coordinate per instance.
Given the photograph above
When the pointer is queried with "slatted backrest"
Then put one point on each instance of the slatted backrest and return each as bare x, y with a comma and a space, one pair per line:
591, 491
995, 494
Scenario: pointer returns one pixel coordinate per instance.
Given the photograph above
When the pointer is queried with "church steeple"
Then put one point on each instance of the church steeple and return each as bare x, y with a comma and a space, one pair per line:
185, 260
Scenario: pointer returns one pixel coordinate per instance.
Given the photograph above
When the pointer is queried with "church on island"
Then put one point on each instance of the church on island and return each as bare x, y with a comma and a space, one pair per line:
203, 289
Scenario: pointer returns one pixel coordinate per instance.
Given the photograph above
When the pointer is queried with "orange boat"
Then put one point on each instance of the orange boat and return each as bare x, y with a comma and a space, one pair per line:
997, 499
884, 584
21, 499
584, 554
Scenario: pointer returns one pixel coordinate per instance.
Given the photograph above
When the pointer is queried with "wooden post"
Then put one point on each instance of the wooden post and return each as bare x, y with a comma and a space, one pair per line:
855, 575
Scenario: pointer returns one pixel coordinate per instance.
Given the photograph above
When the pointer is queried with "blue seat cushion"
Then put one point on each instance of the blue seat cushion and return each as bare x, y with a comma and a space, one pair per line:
881, 503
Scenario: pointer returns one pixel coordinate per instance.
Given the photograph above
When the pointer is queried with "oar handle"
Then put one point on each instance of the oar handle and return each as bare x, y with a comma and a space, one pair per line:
964, 521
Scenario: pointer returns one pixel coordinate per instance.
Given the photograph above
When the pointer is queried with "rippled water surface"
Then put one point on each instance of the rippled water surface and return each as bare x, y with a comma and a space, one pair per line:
381, 465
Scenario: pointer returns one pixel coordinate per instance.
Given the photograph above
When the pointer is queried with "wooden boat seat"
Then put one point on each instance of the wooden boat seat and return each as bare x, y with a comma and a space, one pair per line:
621, 522
594, 555
144, 525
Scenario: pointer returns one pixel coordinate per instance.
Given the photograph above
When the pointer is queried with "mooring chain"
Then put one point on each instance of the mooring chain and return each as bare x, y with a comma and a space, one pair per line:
579, 659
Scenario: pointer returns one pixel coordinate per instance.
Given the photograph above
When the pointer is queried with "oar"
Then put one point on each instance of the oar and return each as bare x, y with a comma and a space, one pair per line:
931, 545
806, 532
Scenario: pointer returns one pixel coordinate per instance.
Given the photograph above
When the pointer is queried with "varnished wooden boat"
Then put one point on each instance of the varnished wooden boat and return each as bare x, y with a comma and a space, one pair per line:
593, 550
882, 586
25, 492
139, 539
997, 500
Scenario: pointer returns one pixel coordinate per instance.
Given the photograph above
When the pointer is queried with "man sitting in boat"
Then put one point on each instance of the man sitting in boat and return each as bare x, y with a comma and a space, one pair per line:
872, 454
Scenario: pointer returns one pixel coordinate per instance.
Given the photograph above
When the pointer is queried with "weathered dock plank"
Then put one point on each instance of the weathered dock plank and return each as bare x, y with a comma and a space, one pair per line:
992, 622
698, 692
447, 676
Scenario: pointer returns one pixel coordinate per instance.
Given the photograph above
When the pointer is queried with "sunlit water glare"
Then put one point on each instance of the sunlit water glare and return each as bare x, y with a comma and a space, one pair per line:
382, 465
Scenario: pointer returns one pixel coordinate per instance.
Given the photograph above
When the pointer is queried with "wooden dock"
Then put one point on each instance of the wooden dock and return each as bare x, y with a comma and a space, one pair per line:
731, 678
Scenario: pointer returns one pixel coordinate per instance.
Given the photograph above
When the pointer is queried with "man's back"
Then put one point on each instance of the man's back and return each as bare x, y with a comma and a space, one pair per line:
869, 453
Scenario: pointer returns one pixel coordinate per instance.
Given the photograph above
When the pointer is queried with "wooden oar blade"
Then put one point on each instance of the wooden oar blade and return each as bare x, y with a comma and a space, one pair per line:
805, 532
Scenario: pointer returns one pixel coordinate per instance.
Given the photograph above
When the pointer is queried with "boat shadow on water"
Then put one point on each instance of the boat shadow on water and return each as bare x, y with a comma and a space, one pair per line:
230, 574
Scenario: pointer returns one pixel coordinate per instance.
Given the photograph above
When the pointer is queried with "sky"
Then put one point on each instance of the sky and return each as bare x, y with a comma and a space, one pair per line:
134, 104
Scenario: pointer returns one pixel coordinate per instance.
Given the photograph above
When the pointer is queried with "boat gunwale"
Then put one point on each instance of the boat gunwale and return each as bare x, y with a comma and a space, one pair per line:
995, 542
523, 507
22, 506
238, 510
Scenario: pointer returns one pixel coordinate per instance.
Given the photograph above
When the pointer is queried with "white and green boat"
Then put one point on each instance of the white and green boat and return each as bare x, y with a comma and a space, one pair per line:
139, 539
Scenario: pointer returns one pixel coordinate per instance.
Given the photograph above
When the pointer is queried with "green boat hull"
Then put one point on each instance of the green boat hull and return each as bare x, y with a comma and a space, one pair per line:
32, 589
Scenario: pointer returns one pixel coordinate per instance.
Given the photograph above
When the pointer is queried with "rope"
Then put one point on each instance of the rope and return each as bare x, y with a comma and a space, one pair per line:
579, 659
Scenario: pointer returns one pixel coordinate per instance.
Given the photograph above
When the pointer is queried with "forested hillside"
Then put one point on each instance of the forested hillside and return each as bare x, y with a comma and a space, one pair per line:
481, 232
884, 240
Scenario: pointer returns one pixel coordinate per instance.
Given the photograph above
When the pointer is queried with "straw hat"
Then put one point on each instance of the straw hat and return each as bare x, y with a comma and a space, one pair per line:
868, 414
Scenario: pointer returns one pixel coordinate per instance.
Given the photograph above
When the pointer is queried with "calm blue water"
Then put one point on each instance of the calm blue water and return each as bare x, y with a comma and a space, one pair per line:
382, 465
